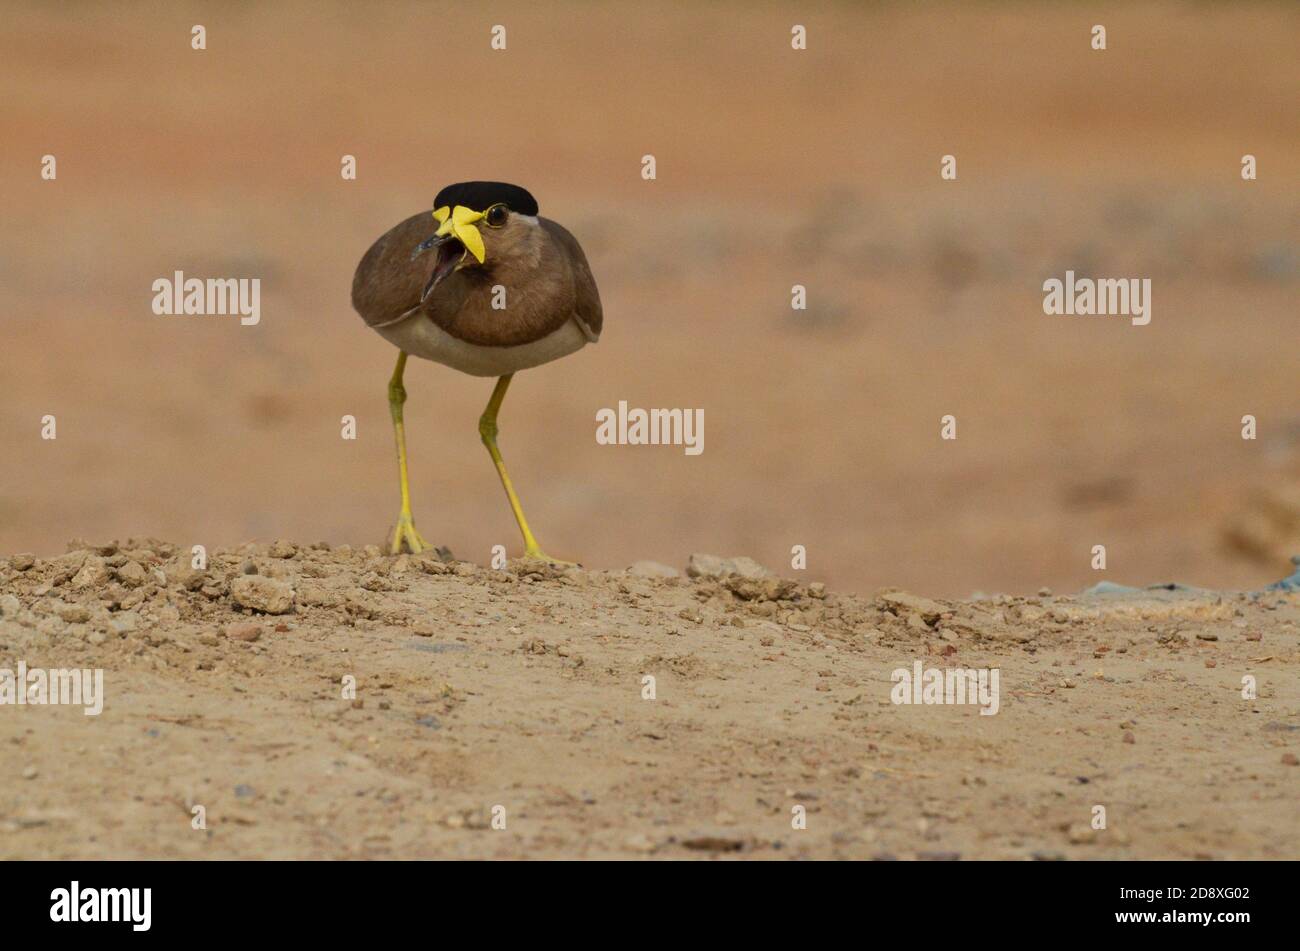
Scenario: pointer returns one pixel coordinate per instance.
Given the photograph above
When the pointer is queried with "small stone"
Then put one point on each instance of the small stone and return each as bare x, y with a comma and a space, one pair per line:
1129, 737
282, 549
1290, 759
316, 596
132, 574
73, 613
262, 594
183, 573
902, 603
705, 566
747, 568
9, 606
714, 566
22, 561
246, 631
1207, 637
93, 573
653, 569
30, 773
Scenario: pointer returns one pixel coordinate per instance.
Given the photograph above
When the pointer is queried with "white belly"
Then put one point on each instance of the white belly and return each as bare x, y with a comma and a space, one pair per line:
421, 337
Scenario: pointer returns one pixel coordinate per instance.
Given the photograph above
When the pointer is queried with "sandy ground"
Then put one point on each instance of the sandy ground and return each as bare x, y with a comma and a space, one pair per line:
518, 693
774, 168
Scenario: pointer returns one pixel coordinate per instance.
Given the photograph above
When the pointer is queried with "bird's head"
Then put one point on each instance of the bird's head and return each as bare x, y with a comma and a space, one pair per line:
478, 224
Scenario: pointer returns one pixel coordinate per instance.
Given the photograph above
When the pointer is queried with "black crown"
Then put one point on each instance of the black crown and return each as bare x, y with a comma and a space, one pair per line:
483, 195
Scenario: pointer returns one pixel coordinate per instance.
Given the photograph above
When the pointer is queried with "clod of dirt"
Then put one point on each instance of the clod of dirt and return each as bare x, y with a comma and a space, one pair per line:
715, 566
261, 594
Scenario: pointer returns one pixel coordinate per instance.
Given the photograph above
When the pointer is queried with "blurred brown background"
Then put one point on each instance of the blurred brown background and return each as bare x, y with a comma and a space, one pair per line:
775, 167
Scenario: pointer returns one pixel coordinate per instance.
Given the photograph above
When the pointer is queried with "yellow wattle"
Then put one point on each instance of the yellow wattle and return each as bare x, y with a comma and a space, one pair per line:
460, 222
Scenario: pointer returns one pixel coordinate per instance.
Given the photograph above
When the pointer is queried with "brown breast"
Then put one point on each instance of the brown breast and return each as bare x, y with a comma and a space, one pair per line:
543, 289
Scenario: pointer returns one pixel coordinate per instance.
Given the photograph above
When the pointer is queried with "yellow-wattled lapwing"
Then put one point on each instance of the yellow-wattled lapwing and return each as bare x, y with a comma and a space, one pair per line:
505, 290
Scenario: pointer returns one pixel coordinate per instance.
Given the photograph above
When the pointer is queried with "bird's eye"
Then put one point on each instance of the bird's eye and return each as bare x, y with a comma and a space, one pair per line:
496, 215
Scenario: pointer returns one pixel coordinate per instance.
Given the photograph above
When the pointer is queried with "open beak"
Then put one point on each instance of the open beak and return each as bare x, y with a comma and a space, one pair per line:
455, 238
450, 255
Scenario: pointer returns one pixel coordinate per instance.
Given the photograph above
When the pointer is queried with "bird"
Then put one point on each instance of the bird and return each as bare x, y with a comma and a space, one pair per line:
495, 289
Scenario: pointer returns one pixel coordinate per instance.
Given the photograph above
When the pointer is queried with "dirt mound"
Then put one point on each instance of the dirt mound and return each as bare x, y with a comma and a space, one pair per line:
306, 701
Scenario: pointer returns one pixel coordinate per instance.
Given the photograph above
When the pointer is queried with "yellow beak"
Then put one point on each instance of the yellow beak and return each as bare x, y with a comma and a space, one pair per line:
459, 221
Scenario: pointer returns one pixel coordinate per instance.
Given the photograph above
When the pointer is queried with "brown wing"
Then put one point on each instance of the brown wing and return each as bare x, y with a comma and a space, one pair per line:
388, 282
586, 306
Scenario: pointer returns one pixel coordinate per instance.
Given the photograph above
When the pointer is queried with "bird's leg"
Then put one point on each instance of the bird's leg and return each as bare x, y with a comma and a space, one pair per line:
405, 531
487, 428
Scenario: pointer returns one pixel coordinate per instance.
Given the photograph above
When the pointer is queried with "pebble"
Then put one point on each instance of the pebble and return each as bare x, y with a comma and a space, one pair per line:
73, 613
22, 561
30, 773
901, 602
715, 566
92, 574
246, 631
132, 574
282, 549
262, 594
1290, 759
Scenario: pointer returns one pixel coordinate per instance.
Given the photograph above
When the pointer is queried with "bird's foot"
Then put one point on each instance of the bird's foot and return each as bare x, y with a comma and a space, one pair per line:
405, 534
536, 554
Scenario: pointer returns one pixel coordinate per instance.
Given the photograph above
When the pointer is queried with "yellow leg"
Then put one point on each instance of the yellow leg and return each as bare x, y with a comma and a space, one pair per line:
487, 428
405, 532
